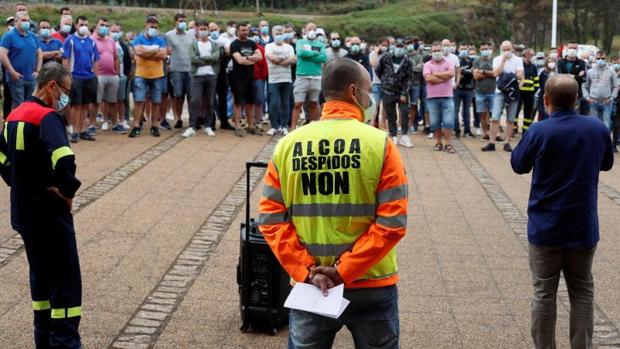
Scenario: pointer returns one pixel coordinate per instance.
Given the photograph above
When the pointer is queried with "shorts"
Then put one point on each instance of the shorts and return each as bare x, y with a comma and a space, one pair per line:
484, 102
414, 95
165, 85
498, 108
243, 90
306, 89
441, 112
122, 88
260, 92
84, 91
107, 88
181, 83
147, 87
377, 92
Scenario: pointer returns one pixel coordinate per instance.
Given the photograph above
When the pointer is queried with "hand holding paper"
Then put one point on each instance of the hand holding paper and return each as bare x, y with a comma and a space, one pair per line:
309, 298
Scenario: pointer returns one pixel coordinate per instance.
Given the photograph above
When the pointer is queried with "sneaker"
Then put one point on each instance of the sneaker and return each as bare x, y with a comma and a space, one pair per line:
431, 136
135, 132
165, 125
119, 129
405, 141
486, 137
189, 132
239, 132
87, 136
271, 132
499, 139
154, 131
395, 139
489, 147
74, 137
427, 130
478, 132
412, 130
178, 124
254, 131
284, 131
99, 118
209, 132
125, 125
92, 130
507, 148
469, 135
105, 126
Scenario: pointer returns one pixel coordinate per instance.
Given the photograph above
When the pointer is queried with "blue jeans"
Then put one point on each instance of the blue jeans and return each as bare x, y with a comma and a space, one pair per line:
603, 112
279, 104
441, 113
20, 90
372, 318
148, 87
465, 97
422, 106
259, 99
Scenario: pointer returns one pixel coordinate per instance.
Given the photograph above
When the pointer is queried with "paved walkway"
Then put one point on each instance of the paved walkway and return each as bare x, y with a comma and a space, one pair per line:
158, 236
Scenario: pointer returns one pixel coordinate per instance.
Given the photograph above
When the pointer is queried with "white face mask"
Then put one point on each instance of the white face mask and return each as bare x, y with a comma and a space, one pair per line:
311, 35
551, 66
369, 111
571, 52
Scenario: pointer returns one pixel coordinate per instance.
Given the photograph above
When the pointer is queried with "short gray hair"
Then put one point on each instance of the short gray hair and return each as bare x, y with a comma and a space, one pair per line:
51, 71
20, 15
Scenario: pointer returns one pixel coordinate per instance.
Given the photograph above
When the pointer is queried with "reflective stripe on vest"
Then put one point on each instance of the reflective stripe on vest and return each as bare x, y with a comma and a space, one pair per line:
2, 158
528, 85
59, 154
19, 140
329, 172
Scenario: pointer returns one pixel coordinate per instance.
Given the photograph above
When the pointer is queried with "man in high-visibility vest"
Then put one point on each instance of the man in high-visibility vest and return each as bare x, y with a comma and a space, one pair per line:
334, 206
38, 164
527, 91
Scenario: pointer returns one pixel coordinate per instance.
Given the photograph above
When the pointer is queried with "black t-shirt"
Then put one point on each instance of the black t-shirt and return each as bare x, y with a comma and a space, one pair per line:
245, 49
467, 75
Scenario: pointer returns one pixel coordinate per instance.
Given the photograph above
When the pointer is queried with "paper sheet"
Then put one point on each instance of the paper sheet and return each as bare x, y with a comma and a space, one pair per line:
309, 298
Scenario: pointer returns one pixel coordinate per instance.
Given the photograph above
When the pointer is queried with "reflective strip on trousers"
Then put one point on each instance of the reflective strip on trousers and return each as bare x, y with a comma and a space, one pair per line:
2, 158
392, 194
273, 194
332, 210
19, 142
327, 250
64, 313
59, 154
272, 218
41, 305
393, 221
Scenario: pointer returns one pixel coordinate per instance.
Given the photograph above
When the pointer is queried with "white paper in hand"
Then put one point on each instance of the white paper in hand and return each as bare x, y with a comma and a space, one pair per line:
309, 298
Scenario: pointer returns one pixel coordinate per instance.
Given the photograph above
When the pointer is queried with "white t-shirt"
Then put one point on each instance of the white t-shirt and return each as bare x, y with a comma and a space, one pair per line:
454, 59
373, 54
279, 73
205, 49
512, 65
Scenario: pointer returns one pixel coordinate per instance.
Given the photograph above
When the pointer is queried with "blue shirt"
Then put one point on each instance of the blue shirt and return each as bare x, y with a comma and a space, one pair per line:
22, 51
82, 54
567, 153
52, 45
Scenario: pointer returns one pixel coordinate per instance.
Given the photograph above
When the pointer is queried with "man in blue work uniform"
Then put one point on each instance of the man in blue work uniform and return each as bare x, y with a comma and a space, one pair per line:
39, 166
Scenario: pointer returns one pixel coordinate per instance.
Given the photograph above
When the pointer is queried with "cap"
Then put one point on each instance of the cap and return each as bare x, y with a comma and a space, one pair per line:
399, 42
520, 48
320, 31
253, 30
10, 19
540, 54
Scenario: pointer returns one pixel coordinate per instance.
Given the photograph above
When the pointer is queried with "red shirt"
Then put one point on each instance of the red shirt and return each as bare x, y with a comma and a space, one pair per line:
261, 71
57, 35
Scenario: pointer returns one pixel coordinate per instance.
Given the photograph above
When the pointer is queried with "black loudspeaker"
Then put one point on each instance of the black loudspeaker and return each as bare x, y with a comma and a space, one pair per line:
263, 284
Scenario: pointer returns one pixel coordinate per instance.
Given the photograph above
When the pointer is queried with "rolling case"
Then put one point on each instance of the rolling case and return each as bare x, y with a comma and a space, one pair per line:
263, 284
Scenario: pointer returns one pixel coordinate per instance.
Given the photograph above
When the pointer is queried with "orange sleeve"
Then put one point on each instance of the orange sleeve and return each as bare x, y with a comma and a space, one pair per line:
390, 224
279, 232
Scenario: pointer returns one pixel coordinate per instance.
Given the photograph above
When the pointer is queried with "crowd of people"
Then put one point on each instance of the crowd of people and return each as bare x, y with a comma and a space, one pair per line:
248, 75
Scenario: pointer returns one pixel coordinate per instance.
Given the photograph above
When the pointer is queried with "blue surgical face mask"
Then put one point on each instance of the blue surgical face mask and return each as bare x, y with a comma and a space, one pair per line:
203, 33
152, 32
45, 33
103, 31
410, 48
473, 57
63, 102
399, 52
336, 43
486, 53
65, 28
463, 53
601, 62
117, 36
24, 25
264, 30
182, 26
355, 48
616, 67
279, 38
214, 35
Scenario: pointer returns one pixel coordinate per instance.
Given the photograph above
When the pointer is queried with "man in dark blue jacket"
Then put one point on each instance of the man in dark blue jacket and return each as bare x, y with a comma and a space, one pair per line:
38, 164
567, 152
